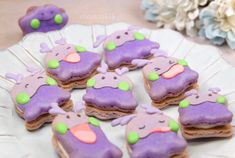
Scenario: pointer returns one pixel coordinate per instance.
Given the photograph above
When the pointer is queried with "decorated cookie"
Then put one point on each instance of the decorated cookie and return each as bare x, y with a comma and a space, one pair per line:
121, 47
109, 94
43, 19
167, 79
70, 65
152, 134
77, 136
204, 115
33, 96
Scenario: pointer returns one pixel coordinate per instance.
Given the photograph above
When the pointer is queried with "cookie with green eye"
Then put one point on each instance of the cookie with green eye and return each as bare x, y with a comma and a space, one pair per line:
205, 115
109, 95
167, 79
33, 96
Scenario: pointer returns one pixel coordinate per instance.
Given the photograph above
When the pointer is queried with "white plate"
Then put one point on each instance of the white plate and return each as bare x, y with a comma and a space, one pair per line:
17, 142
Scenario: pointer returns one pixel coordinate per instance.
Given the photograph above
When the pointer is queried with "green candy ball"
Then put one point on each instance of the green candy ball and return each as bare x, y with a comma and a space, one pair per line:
133, 137
80, 49
22, 98
184, 104
61, 128
174, 126
50, 81
94, 121
139, 36
58, 19
90, 82
110, 46
124, 86
53, 64
35, 24
153, 76
221, 100
182, 62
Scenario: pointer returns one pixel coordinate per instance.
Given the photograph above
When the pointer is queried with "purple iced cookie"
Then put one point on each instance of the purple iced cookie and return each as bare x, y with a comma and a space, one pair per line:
71, 65
121, 47
77, 136
167, 79
33, 96
205, 115
152, 134
43, 19
109, 94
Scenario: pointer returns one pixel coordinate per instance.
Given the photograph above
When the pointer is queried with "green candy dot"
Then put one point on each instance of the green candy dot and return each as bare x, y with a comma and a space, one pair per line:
184, 104
61, 128
133, 137
22, 98
53, 64
58, 19
153, 76
50, 81
94, 121
80, 49
110, 46
174, 126
90, 82
221, 100
123, 86
183, 62
35, 23
139, 36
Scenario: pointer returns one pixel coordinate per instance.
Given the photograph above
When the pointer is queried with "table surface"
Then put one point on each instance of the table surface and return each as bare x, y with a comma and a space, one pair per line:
79, 11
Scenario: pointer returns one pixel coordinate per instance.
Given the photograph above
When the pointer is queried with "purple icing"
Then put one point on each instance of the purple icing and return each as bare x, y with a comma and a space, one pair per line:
88, 63
102, 148
158, 145
162, 87
207, 113
110, 98
41, 102
137, 49
45, 14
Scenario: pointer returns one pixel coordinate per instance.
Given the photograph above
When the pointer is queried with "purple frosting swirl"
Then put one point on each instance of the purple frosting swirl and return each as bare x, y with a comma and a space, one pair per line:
137, 49
110, 98
159, 145
40, 103
207, 113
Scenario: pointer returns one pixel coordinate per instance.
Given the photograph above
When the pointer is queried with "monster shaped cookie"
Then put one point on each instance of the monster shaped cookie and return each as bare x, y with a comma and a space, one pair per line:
151, 134
204, 115
166, 79
77, 136
109, 94
33, 96
121, 47
70, 65
43, 19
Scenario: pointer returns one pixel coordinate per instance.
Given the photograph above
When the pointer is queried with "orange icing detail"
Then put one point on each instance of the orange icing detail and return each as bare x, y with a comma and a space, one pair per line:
161, 129
84, 133
72, 57
174, 71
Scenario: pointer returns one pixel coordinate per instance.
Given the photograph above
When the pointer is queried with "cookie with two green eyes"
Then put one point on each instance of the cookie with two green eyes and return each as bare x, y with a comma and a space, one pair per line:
205, 114
109, 95
70, 65
167, 79
33, 95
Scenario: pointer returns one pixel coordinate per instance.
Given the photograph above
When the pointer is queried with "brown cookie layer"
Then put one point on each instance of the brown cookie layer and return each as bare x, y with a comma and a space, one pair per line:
219, 131
59, 148
76, 82
170, 99
45, 118
106, 114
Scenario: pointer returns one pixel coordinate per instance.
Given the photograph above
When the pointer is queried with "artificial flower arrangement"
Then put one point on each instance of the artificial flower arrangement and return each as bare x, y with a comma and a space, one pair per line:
211, 19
